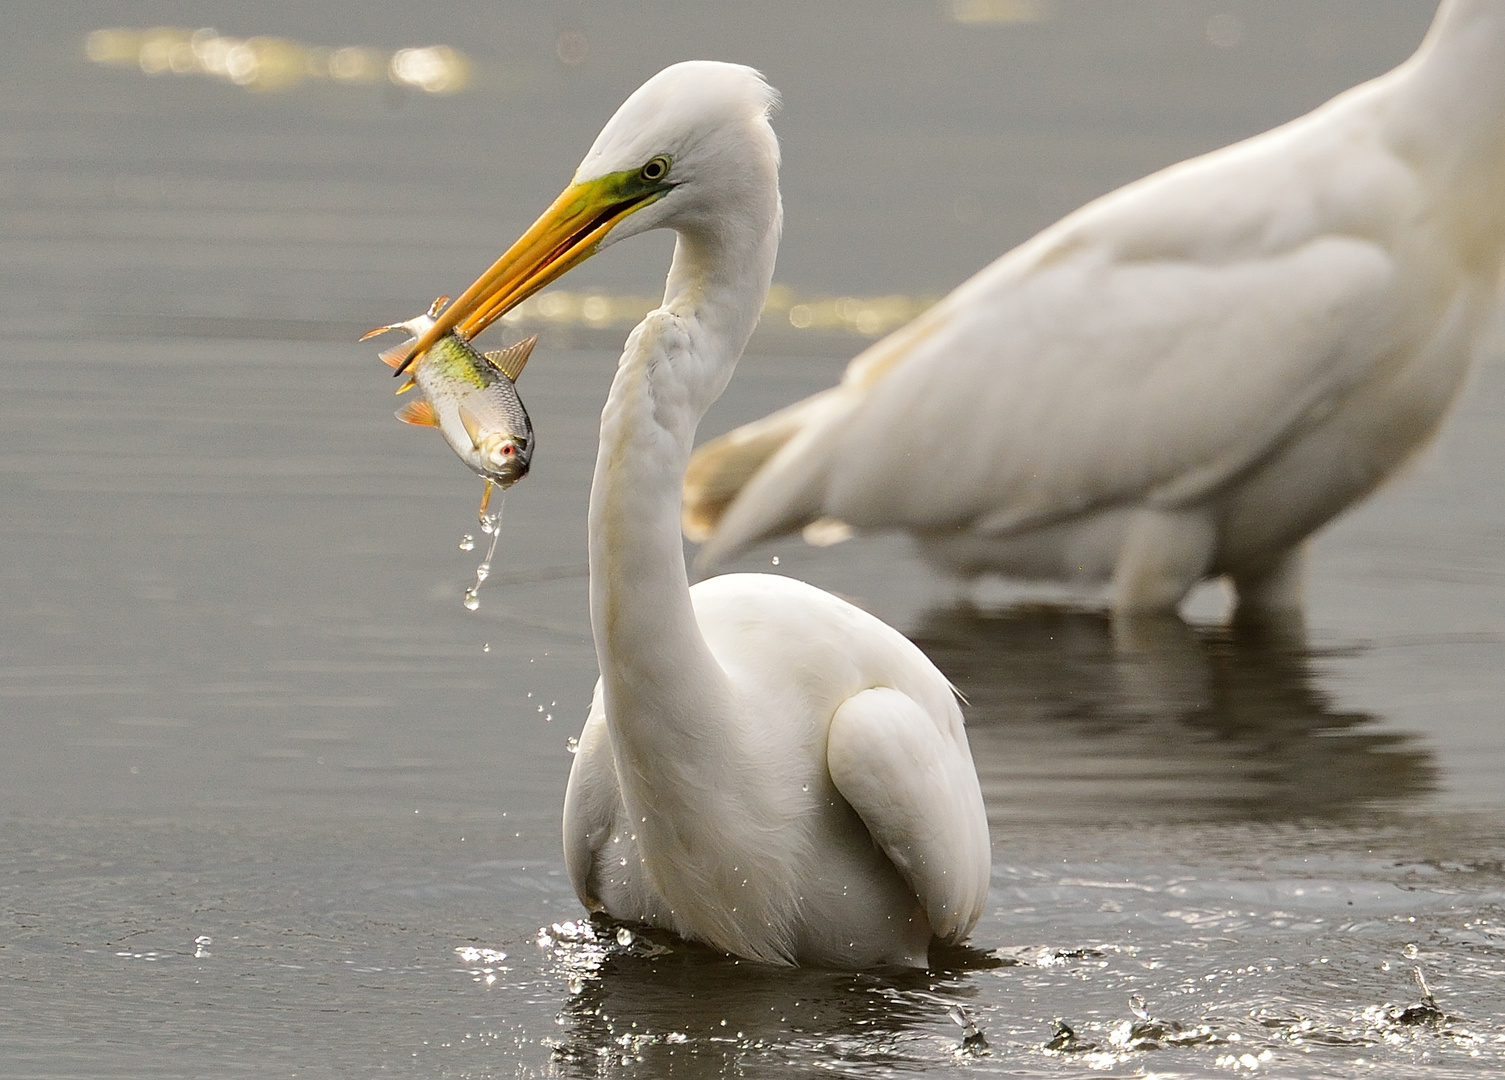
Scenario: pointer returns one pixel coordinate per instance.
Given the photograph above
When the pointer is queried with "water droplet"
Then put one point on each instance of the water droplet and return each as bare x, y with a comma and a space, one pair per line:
576, 984
775, 560
467, 542
483, 572
1410, 952
200, 944
572, 744
471, 601
804, 787
486, 647
624, 936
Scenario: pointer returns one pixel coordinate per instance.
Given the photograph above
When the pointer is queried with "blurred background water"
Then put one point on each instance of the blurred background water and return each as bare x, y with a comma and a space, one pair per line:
273, 802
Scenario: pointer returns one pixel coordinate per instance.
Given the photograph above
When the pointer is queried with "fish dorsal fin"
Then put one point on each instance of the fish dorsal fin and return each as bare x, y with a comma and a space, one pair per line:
510, 361
420, 413
472, 426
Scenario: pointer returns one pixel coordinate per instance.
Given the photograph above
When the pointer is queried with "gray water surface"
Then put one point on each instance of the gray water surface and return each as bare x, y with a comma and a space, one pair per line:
274, 803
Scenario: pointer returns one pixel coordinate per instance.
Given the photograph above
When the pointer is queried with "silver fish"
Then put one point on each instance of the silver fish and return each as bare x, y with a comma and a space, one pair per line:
471, 397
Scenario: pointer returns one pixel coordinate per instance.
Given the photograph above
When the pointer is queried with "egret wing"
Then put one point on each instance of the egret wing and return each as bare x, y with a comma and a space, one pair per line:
912, 781
1149, 348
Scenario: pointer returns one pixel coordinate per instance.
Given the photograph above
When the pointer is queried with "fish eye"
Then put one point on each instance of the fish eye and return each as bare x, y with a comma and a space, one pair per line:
656, 169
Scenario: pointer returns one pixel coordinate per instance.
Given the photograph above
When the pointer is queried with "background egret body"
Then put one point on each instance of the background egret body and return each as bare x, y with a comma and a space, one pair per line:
1181, 380
765, 767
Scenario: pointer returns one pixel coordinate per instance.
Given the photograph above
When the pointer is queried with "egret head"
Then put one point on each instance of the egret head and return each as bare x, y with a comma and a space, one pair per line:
691, 150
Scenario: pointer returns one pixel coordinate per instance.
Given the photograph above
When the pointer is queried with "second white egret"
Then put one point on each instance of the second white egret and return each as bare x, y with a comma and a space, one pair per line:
1181, 380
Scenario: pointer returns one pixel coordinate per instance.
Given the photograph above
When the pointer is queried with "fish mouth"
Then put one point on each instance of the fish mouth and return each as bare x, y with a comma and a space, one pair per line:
507, 476
510, 471
565, 235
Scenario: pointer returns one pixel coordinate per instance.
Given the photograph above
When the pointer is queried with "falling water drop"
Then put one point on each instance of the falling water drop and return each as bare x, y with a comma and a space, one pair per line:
572, 744
486, 647
624, 936
467, 542
491, 525
775, 560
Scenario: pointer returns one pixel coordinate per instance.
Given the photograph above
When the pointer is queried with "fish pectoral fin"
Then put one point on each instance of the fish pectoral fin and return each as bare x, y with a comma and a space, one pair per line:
510, 361
472, 426
420, 413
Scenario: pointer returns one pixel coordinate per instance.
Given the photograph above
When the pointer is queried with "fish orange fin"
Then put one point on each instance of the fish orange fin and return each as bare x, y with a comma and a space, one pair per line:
472, 426
405, 387
380, 330
420, 413
394, 356
510, 361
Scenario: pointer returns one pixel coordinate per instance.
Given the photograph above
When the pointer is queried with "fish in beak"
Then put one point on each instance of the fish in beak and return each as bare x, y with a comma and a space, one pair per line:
569, 232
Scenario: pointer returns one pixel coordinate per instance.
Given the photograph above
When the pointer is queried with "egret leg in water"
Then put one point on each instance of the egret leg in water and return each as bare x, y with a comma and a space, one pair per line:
491, 525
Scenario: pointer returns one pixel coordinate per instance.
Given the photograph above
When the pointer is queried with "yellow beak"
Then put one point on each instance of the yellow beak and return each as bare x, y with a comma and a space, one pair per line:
567, 234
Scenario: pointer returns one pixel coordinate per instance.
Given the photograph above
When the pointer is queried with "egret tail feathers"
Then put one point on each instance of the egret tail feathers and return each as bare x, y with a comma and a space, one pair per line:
721, 468
764, 479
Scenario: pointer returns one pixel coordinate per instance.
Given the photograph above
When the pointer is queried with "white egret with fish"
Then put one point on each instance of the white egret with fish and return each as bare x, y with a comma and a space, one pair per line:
1185, 378
765, 767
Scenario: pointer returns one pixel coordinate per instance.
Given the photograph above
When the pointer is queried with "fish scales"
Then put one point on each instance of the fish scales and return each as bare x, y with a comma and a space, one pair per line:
471, 397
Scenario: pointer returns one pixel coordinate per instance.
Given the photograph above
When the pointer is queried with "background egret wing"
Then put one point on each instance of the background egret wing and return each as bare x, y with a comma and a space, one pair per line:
1044, 389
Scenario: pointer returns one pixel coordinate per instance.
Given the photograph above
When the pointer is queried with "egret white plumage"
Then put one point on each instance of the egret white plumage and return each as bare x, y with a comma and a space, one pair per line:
1183, 379
765, 767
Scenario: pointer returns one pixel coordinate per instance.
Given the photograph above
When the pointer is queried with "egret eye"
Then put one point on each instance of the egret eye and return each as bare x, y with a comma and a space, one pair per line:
656, 169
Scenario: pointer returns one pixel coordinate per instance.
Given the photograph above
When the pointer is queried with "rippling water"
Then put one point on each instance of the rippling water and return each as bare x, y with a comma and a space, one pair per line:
272, 801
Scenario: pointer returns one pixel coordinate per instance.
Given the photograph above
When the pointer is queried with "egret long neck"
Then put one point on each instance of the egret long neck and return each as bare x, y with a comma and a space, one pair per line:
660, 680
1453, 88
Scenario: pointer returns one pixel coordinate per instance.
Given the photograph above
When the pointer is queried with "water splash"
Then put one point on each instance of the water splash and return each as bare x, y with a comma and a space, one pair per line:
491, 525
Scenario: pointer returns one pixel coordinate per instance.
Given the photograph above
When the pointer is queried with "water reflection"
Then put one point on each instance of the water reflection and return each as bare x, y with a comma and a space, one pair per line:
1074, 719
272, 63
669, 1008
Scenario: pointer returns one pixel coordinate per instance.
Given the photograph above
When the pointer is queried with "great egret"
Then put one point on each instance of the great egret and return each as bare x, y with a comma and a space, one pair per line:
765, 768
1181, 380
